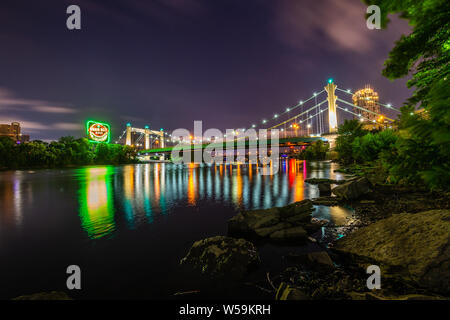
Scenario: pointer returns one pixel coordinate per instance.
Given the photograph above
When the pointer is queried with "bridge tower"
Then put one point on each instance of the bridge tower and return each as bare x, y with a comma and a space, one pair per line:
161, 138
330, 88
147, 137
128, 138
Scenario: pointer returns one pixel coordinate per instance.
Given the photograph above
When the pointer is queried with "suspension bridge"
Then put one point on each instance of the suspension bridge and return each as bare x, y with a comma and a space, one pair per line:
315, 118
150, 137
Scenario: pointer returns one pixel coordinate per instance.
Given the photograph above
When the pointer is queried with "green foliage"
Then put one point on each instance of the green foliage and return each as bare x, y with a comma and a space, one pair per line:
372, 145
425, 52
421, 154
316, 151
65, 152
347, 133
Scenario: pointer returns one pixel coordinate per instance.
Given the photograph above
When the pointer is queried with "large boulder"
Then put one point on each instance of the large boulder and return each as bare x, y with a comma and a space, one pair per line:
352, 189
277, 224
412, 246
222, 257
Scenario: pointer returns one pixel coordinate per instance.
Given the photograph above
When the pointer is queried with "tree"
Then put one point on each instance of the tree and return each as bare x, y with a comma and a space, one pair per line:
422, 150
370, 146
66, 151
347, 133
424, 52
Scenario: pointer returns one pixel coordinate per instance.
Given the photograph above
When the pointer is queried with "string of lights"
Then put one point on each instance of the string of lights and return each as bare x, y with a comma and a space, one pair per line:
363, 109
289, 109
300, 114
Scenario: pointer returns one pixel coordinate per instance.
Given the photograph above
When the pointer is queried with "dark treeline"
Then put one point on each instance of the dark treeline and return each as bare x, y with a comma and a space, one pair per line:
68, 151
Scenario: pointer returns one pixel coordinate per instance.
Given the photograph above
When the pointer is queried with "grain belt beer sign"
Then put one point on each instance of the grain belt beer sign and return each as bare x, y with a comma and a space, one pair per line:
98, 131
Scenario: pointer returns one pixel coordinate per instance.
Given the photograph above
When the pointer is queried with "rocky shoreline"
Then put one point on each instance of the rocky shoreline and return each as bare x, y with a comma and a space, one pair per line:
404, 230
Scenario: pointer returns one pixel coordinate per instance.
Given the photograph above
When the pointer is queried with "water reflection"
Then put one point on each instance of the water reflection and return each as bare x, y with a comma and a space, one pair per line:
96, 201
132, 195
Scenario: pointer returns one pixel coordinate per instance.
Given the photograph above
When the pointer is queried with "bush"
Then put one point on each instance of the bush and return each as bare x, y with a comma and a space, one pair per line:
347, 133
370, 146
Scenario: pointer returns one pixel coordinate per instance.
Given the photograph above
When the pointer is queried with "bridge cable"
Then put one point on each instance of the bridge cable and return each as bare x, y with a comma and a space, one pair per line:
364, 109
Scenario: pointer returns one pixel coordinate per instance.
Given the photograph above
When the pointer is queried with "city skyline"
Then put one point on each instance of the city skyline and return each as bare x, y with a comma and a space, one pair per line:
229, 65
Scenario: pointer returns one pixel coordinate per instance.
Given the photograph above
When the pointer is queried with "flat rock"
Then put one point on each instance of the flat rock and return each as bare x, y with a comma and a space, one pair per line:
352, 189
326, 201
52, 295
412, 246
322, 180
270, 224
296, 234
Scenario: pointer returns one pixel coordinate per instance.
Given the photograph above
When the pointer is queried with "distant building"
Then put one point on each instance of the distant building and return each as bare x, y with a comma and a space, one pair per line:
366, 98
13, 131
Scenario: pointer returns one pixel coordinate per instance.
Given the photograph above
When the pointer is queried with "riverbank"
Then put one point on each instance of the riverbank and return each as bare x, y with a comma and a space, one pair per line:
402, 229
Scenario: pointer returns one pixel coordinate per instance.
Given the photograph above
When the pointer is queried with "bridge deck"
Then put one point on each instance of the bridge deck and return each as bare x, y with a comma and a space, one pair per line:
281, 142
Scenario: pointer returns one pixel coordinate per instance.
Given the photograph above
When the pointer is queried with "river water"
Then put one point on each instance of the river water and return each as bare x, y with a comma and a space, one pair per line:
128, 226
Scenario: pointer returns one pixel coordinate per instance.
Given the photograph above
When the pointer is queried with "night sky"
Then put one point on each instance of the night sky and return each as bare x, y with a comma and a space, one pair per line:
167, 63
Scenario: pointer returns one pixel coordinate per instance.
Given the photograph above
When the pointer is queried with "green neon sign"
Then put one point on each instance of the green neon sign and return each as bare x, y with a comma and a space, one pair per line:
98, 132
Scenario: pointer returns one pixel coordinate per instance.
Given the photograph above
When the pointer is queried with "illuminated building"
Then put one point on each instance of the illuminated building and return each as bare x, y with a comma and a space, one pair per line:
366, 98
13, 131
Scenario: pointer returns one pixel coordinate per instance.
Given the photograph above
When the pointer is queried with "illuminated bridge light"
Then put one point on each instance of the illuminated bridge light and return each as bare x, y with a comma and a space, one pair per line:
330, 80
301, 102
287, 109
314, 94
388, 105
264, 121
253, 125
275, 116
